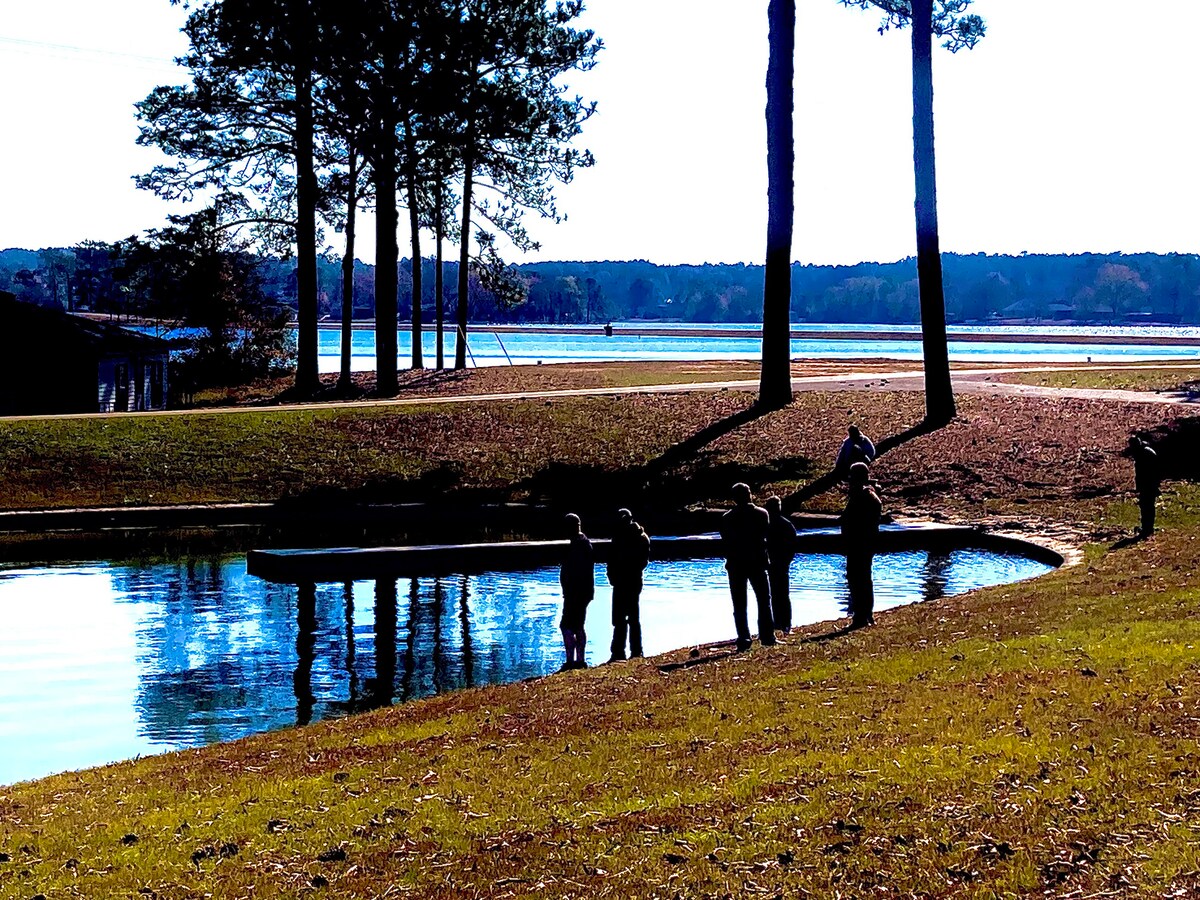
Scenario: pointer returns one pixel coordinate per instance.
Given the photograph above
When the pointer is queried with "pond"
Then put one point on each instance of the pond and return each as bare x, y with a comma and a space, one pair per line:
102, 661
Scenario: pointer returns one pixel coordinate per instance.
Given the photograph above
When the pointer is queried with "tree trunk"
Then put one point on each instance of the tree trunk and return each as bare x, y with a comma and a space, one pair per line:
386, 259
307, 376
346, 379
414, 225
775, 382
939, 393
439, 285
464, 260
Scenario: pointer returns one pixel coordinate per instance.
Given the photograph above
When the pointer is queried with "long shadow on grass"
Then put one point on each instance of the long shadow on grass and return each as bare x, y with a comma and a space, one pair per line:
683, 473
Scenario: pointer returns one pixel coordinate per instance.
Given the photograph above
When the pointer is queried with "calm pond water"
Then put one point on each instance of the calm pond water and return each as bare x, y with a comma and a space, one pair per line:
490, 349
102, 662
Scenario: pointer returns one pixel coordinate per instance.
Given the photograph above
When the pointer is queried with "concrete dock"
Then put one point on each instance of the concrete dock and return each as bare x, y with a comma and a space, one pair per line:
307, 566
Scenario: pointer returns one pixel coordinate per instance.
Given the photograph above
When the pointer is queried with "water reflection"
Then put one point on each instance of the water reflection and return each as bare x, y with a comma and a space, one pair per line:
101, 662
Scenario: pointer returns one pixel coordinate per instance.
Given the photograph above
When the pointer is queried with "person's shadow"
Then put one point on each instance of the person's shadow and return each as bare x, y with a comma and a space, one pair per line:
1128, 541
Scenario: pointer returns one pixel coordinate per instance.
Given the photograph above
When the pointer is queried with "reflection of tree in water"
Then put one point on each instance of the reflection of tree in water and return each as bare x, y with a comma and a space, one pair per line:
223, 654
306, 645
219, 650
351, 671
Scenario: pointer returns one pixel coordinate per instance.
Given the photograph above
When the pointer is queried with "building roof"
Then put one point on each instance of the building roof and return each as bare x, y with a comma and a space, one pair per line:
80, 333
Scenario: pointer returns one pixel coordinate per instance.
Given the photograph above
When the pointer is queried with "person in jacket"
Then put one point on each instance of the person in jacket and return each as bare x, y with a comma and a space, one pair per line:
857, 447
744, 532
781, 550
628, 556
1147, 479
860, 532
578, 580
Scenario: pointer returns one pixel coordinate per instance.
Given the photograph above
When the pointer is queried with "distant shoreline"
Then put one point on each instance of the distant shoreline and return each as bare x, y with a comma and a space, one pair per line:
797, 334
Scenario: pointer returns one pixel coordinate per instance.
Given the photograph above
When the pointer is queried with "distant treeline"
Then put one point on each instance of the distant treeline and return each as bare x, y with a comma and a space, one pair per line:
1083, 288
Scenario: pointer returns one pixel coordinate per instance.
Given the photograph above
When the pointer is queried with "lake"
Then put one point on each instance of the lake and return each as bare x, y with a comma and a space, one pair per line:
105, 661
548, 346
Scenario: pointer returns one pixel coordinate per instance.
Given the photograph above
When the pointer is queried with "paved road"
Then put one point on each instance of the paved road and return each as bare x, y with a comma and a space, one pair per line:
974, 381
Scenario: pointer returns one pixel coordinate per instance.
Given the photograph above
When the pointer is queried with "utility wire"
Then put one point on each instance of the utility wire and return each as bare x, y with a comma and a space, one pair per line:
89, 54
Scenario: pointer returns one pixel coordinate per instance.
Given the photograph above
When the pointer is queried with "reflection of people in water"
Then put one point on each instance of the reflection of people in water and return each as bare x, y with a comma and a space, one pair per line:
628, 556
577, 577
781, 550
744, 542
860, 531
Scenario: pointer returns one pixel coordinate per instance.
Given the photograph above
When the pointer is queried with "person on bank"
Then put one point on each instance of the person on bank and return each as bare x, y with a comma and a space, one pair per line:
1147, 479
857, 447
744, 531
860, 532
578, 580
781, 550
628, 556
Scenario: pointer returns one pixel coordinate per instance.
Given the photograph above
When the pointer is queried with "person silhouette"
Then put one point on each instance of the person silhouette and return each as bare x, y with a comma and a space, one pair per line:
744, 542
860, 533
857, 447
781, 550
1147, 478
628, 556
577, 577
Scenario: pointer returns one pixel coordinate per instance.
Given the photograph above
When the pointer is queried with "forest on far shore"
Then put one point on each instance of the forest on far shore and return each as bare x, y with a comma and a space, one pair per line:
1085, 288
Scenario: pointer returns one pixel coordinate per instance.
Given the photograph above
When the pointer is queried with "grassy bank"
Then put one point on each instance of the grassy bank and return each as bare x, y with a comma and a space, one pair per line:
1037, 738
1005, 455
1147, 378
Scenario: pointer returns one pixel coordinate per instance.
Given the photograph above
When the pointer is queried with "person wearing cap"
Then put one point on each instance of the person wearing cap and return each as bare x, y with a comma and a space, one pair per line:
577, 577
781, 550
860, 533
628, 556
857, 447
1147, 478
744, 532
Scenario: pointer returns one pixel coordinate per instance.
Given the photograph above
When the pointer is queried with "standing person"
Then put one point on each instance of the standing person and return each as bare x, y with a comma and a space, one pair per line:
781, 550
628, 556
578, 580
857, 447
1146, 478
860, 531
744, 542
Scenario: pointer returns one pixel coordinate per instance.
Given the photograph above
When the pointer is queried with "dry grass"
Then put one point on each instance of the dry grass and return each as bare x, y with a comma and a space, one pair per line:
1032, 739
1049, 458
509, 379
1147, 378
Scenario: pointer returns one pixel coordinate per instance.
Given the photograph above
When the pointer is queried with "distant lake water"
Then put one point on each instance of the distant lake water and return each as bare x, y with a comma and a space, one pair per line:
106, 661
548, 346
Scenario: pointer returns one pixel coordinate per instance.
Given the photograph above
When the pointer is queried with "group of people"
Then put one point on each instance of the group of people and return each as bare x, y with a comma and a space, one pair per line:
628, 556
759, 544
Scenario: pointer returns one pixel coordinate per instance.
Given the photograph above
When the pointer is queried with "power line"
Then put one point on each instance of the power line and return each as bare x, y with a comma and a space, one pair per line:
91, 54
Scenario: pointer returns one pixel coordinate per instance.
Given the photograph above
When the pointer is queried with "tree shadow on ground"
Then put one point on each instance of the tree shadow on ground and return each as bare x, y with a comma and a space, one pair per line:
684, 473
1178, 447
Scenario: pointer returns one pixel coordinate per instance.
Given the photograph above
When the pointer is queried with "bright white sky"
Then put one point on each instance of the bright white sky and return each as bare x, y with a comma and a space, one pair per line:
1072, 127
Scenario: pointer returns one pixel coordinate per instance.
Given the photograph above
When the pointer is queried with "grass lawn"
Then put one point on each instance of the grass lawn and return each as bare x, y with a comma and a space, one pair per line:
1005, 454
1032, 739
508, 379
1149, 378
